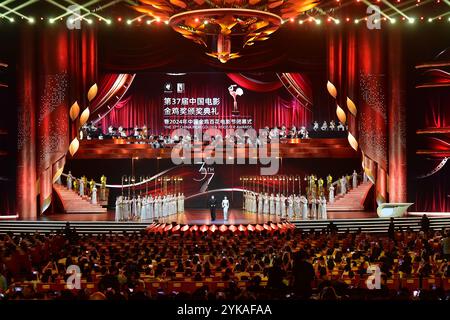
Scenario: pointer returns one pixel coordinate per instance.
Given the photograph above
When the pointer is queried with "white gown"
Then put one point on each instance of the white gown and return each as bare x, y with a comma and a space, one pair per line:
225, 206
266, 204
277, 205
272, 205
69, 182
260, 203
290, 207
283, 206
94, 195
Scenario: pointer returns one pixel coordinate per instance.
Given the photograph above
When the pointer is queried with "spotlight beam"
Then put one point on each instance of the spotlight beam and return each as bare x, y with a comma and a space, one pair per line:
84, 8
23, 5
395, 9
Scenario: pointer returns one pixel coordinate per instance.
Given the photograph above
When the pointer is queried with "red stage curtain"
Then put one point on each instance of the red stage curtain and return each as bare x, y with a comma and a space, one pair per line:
254, 85
433, 193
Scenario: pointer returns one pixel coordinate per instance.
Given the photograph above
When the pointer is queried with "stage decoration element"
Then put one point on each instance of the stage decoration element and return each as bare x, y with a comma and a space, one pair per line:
352, 141
84, 116
204, 228
224, 28
223, 228
341, 114
232, 228
213, 228
92, 92
435, 170
234, 93
331, 89
194, 228
184, 228
74, 145
74, 111
351, 106
156, 227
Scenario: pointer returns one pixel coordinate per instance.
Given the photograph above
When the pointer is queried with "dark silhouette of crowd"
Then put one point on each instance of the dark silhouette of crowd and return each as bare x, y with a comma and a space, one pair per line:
322, 265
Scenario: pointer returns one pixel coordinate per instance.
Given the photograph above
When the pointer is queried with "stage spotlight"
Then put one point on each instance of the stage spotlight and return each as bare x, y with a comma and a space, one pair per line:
337, 21
129, 22
430, 19
31, 20
149, 21
393, 20
318, 21
411, 20
89, 21
51, 20
356, 21
205, 22
300, 21
166, 22
108, 21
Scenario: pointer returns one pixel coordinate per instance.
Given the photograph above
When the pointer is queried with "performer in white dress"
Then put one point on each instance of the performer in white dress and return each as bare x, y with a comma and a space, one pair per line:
283, 206
331, 194
260, 202
313, 212
319, 208
271, 204
343, 183
151, 203
125, 209
297, 206
69, 181
290, 211
324, 209
143, 214
225, 206
94, 195
305, 213
355, 179
118, 216
266, 204
277, 205
82, 187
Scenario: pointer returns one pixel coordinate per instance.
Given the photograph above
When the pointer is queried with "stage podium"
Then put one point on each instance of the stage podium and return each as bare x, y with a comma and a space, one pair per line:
395, 210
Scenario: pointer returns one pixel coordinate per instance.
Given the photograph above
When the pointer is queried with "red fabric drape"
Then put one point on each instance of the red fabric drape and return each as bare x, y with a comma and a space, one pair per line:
144, 108
433, 193
254, 85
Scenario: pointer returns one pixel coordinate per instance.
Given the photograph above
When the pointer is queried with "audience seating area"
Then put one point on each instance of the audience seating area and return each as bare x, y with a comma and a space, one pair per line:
213, 266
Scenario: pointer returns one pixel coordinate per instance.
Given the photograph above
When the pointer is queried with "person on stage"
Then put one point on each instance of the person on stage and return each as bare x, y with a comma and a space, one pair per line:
266, 204
260, 202
331, 194
283, 206
297, 206
355, 179
225, 206
69, 180
343, 182
313, 212
324, 209
212, 203
271, 204
277, 205
304, 203
82, 185
151, 211
290, 210
94, 195
118, 216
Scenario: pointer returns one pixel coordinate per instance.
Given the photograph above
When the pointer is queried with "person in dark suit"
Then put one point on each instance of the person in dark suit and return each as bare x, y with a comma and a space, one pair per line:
212, 203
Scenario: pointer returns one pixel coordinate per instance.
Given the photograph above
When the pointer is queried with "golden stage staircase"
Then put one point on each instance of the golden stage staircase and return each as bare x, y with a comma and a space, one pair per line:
73, 203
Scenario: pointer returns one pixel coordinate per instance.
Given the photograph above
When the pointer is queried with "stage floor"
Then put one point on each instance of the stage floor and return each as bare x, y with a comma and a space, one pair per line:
202, 216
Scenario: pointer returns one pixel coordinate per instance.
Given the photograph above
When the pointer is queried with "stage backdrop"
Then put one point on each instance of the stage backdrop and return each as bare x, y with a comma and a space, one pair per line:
164, 102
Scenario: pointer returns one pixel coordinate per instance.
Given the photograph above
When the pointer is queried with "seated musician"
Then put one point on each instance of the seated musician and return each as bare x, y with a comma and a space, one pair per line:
144, 132
332, 125
292, 133
340, 127
121, 132
111, 133
316, 126
324, 126
283, 132
93, 132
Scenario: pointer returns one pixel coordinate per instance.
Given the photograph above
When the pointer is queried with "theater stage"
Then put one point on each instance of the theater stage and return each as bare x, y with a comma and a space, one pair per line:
202, 216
